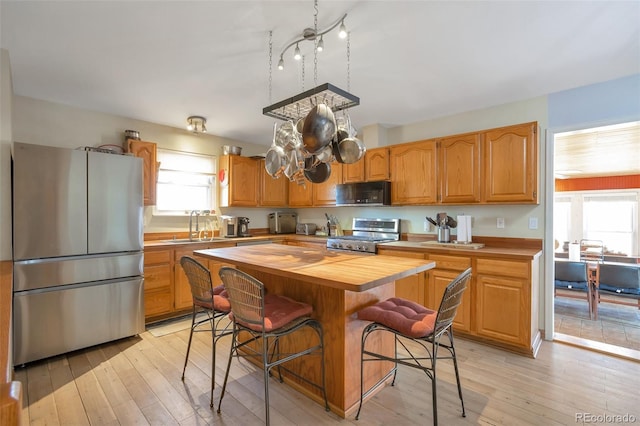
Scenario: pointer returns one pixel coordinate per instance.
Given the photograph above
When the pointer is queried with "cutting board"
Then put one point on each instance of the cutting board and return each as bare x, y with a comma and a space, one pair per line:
466, 246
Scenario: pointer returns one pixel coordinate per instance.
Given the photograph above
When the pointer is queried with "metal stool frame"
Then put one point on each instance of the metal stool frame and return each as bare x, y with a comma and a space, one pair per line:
430, 343
247, 297
202, 292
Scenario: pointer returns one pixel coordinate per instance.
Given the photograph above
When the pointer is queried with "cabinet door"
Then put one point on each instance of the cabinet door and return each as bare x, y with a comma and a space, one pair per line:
377, 164
413, 173
300, 195
146, 151
240, 185
324, 194
503, 305
511, 164
183, 298
355, 172
438, 282
459, 168
273, 192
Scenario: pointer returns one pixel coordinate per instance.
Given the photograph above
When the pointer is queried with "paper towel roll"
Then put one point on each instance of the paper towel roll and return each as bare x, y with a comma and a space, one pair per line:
574, 252
464, 229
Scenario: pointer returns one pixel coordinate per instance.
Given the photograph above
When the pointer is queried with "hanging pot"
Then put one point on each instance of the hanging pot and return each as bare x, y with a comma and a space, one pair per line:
318, 174
350, 150
319, 128
275, 161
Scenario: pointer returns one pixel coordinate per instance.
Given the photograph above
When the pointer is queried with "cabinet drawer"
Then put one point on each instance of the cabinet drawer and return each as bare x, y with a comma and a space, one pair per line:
455, 263
157, 256
401, 253
505, 268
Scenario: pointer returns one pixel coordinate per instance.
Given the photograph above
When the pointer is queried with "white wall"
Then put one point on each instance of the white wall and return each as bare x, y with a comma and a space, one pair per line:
6, 102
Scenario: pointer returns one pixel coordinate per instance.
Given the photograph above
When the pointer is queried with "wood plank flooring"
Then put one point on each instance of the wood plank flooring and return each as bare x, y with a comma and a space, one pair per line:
137, 381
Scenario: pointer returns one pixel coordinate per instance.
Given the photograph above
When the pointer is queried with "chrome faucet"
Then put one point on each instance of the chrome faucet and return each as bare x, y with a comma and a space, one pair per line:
191, 233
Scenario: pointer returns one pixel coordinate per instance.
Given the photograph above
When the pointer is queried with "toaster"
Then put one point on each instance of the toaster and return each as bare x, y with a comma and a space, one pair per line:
306, 228
282, 223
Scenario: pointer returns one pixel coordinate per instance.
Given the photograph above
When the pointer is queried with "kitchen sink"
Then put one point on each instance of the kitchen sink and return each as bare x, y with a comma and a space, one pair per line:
186, 240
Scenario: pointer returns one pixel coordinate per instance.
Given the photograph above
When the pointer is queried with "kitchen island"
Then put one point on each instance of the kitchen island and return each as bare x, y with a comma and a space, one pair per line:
337, 285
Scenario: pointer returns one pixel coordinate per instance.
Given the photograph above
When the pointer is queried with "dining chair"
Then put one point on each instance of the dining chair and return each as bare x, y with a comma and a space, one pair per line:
618, 284
409, 322
211, 301
264, 319
571, 279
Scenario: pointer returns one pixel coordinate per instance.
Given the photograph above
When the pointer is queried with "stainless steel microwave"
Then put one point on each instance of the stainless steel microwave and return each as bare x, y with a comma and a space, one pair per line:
376, 193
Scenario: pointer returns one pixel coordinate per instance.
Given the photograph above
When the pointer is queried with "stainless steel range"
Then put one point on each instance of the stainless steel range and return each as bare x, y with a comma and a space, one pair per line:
367, 233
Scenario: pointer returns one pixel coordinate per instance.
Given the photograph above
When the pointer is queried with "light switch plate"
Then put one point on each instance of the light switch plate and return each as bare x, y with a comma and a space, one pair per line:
500, 223
533, 223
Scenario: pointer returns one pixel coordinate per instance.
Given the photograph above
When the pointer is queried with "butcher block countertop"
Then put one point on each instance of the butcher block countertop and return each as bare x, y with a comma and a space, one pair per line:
353, 272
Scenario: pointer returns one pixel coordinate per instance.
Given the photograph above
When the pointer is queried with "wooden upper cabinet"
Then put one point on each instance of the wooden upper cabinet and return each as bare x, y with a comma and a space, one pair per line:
148, 152
238, 181
413, 173
459, 168
300, 195
324, 194
511, 164
376, 164
273, 192
355, 172
373, 167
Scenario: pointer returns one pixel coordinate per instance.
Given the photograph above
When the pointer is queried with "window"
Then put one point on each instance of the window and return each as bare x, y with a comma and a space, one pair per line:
186, 181
608, 216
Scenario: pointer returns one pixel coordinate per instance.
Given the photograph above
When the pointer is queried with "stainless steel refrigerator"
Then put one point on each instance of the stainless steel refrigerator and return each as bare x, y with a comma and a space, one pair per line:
77, 249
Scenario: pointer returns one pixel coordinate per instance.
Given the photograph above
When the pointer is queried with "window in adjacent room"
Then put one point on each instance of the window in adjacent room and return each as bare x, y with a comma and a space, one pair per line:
186, 181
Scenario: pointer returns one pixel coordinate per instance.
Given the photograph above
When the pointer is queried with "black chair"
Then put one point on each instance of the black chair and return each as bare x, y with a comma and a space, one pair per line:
209, 300
620, 281
572, 280
410, 321
264, 319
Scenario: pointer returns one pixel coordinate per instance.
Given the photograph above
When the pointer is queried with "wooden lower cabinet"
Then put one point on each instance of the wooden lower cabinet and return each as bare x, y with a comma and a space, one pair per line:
500, 305
504, 302
446, 270
158, 285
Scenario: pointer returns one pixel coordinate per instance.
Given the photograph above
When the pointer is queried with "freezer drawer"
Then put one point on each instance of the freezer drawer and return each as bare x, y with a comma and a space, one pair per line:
52, 322
41, 273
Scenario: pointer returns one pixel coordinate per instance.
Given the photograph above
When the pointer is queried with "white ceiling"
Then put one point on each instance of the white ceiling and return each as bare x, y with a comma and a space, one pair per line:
161, 61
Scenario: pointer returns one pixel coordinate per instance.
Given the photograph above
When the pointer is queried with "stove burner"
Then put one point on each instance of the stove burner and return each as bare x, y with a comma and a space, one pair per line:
367, 233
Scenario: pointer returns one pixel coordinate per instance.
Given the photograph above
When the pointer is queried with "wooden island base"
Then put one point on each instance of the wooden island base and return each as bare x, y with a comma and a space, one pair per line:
337, 286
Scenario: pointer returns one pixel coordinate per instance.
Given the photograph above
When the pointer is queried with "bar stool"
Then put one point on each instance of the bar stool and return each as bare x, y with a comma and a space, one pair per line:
267, 317
209, 300
410, 321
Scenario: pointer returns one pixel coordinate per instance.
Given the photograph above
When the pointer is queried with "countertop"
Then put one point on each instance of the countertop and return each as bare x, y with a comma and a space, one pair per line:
489, 251
354, 272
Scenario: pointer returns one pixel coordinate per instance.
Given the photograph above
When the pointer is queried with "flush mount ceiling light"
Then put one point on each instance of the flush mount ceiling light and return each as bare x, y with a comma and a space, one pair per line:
197, 124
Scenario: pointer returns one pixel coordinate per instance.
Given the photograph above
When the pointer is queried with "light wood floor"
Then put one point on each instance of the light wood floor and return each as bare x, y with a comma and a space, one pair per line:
137, 381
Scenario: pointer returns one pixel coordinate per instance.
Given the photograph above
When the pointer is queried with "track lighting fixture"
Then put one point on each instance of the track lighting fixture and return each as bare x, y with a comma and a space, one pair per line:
296, 53
343, 30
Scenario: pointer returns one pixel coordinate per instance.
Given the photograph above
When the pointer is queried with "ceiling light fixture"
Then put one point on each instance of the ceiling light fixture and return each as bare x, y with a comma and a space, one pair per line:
313, 34
299, 105
197, 124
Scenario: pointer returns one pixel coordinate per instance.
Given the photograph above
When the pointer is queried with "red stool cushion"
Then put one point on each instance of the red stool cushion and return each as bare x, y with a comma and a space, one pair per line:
220, 300
407, 317
280, 311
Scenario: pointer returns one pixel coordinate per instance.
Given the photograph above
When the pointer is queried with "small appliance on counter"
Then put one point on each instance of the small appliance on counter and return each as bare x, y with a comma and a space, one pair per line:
282, 223
306, 229
229, 227
243, 227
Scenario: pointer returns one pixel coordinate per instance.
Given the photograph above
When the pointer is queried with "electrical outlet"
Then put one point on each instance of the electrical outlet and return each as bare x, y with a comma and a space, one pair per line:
500, 223
426, 226
533, 223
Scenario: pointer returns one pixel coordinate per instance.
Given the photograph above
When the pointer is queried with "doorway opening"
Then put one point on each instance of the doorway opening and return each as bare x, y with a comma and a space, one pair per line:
597, 198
